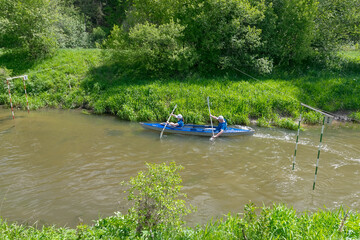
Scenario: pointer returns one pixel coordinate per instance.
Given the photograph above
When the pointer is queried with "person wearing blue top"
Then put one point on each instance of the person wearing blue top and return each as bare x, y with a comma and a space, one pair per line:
221, 127
180, 122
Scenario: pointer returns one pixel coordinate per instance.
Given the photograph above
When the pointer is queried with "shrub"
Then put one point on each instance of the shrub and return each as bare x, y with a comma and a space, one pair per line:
287, 123
312, 117
150, 49
4, 73
263, 122
155, 195
98, 35
355, 116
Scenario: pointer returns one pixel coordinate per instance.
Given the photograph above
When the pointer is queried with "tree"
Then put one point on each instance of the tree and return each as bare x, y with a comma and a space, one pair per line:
288, 31
225, 33
216, 34
28, 25
70, 27
337, 22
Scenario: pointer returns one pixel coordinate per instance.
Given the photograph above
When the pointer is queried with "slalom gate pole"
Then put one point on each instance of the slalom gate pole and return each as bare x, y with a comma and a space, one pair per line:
27, 102
318, 156
12, 109
297, 139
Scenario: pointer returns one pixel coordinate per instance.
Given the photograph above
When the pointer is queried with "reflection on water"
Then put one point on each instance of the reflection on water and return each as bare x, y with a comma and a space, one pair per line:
63, 167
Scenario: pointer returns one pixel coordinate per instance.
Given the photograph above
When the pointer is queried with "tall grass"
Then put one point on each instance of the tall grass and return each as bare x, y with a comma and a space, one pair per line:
78, 78
268, 222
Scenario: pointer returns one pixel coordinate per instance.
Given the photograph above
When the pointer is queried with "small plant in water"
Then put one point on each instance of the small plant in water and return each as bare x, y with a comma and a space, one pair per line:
156, 197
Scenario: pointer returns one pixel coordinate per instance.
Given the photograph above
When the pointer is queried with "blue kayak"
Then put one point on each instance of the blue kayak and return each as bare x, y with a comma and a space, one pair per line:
198, 130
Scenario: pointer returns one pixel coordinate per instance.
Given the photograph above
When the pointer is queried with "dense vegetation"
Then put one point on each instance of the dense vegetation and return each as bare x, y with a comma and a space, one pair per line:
158, 53
275, 222
159, 206
78, 78
182, 37
256, 59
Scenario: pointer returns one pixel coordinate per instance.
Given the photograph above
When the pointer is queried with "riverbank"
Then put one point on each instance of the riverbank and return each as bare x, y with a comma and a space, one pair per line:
274, 222
79, 78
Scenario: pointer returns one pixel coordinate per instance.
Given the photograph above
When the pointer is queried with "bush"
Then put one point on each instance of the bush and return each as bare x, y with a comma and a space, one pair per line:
98, 35
355, 116
4, 73
150, 50
312, 117
155, 195
287, 123
263, 122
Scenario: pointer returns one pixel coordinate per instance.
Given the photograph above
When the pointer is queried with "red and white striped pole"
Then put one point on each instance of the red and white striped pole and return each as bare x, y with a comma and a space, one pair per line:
12, 110
27, 102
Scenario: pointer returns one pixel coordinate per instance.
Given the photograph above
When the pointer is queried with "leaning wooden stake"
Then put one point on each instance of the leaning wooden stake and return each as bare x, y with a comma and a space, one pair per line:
318, 156
297, 140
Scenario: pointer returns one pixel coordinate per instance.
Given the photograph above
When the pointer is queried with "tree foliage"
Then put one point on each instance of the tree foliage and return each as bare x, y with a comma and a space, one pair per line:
185, 36
28, 25
39, 27
337, 22
70, 27
288, 30
225, 33
211, 34
150, 49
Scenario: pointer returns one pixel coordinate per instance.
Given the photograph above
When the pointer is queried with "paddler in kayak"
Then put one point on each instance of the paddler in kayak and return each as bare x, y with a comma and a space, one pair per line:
179, 123
221, 127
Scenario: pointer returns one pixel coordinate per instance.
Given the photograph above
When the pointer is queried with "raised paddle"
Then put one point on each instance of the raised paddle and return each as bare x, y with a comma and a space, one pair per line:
161, 134
208, 102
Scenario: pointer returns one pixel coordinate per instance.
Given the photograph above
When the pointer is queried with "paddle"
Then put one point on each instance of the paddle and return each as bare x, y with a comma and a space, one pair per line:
161, 134
208, 102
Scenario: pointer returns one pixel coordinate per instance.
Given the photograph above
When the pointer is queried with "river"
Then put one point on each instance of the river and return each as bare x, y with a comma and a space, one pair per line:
63, 167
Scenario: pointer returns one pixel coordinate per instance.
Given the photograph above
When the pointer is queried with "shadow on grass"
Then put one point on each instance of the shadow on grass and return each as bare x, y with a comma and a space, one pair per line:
109, 76
333, 88
17, 61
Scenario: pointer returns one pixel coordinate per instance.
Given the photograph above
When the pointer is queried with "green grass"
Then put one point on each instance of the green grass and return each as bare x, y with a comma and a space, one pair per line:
268, 222
77, 78
351, 54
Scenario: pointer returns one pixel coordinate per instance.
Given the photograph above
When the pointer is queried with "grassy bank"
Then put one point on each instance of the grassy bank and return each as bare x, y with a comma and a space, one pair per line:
78, 78
275, 222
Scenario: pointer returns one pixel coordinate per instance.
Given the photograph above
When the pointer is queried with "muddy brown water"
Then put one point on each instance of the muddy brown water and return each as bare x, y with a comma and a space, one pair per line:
64, 167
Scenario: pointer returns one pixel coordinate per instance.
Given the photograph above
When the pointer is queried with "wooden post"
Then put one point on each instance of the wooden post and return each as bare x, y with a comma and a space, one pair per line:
297, 140
27, 102
318, 156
